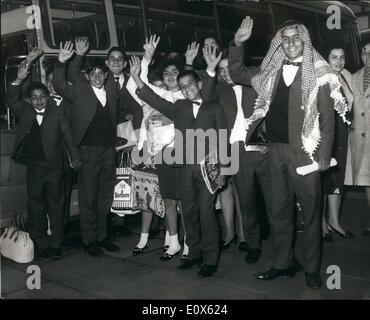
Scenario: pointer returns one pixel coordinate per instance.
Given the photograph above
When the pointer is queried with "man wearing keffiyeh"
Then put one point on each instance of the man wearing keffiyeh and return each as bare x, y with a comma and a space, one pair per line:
297, 93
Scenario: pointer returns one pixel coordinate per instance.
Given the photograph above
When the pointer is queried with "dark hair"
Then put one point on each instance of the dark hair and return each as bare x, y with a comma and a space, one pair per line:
170, 62
153, 75
335, 44
287, 23
225, 53
36, 86
95, 63
186, 73
210, 35
117, 49
363, 42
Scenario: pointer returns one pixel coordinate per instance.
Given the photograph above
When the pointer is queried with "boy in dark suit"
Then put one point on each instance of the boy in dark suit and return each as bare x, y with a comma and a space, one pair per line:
197, 202
41, 127
93, 118
238, 103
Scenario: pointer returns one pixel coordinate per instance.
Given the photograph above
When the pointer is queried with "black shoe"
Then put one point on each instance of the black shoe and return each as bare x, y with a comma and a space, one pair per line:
138, 250
189, 263
207, 270
347, 234
252, 255
313, 280
56, 253
94, 250
183, 258
275, 273
166, 256
226, 245
243, 246
327, 237
108, 245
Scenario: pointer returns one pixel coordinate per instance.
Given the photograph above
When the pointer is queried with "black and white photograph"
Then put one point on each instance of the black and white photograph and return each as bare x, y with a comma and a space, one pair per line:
185, 157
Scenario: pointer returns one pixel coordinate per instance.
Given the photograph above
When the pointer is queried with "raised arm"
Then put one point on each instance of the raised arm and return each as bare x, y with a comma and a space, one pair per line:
13, 96
60, 83
240, 73
190, 55
146, 94
74, 72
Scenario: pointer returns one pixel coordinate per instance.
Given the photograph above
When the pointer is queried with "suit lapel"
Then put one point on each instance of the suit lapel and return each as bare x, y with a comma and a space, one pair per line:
277, 80
231, 103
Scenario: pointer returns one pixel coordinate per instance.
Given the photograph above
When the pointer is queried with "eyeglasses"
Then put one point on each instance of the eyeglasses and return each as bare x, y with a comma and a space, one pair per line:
187, 86
113, 59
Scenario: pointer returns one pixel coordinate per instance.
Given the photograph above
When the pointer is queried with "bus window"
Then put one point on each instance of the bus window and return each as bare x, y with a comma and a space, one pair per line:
158, 27
178, 22
230, 19
179, 36
283, 13
130, 29
201, 8
68, 19
8, 5
344, 35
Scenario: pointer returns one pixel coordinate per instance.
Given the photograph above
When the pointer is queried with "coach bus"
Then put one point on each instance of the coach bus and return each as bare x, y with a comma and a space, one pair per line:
107, 23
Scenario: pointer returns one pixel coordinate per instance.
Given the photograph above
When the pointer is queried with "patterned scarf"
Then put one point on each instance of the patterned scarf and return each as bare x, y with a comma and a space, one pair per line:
366, 78
315, 73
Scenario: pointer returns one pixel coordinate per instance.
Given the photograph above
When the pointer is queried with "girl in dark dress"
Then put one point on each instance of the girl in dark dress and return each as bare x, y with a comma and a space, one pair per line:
333, 179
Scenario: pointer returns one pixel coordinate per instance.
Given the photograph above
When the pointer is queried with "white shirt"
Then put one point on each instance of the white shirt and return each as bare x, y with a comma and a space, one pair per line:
290, 71
196, 108
101, 94
39, 117
57, 98
121, 80
239, 132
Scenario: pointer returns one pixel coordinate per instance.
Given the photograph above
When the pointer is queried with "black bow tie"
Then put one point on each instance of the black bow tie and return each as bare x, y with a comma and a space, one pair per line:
296, 64
197, 103
39, 113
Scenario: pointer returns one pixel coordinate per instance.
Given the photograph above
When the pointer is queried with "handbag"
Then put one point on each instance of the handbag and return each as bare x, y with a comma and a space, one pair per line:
126, 130
15, 243
123, 195
147, 194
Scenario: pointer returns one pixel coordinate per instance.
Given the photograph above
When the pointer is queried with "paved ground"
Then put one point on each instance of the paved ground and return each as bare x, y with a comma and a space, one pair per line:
123, 276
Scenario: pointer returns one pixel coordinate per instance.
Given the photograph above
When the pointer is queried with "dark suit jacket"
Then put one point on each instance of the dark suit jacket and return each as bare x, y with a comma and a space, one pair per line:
210, 116
83, 101
54, 128
325, 104
127, 105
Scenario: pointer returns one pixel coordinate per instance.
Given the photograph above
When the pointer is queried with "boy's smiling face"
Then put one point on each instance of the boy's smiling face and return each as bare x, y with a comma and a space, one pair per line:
39, 99
189, 87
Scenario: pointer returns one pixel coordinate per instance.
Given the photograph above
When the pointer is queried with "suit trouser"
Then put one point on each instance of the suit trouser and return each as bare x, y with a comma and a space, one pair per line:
96, 178
202, 229
45, 197
285, 183
253, 165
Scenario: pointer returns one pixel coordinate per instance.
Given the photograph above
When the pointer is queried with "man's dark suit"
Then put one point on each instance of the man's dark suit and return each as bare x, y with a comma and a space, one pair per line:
45, 185
252, 164
284, 159
197, 202
127, 104
96, 175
